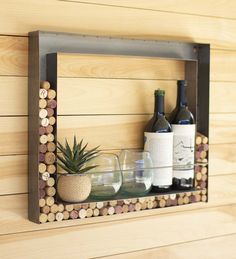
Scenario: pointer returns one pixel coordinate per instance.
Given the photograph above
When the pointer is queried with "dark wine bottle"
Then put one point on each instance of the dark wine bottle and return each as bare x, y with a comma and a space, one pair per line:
184, 129
158, 140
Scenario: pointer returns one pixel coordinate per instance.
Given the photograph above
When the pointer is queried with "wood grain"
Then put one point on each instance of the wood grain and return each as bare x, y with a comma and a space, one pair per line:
13, 174
108, 132
224, 9
222, 159
223, 128
13, 55
102, 66
216, 247
222, 97
112, 96
207, 223
93, 19
13, 135
13, 208
14, 100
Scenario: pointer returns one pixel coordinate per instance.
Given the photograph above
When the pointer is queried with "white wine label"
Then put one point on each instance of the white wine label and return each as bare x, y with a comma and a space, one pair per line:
186, 174
160, 146
184, 142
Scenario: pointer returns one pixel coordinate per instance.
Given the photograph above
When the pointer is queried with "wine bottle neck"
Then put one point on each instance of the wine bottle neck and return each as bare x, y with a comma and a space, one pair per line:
159, 105
181, 96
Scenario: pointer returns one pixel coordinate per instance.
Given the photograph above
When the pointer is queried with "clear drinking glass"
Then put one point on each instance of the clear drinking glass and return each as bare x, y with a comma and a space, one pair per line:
137, 170
106, 178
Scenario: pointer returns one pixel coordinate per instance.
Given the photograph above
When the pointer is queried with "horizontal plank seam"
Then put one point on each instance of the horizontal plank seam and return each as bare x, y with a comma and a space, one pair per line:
169, 245
148, 9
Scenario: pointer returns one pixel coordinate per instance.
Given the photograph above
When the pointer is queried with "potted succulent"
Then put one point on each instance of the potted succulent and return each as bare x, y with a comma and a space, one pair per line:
74, 185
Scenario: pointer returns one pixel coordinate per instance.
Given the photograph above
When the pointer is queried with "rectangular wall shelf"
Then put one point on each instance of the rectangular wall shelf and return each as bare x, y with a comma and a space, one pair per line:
43, 66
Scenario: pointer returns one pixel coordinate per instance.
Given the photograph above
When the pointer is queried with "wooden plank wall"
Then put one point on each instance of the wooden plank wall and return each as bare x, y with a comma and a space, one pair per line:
204, 227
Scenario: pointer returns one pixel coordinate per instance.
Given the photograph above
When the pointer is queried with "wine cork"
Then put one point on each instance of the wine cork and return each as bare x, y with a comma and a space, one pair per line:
95, 212
180, 201
51, 104
51, 217
125, 208
66, 215
61, 207
85, 206
127, 201
50, 201
50, 158
49, 129
82, 213
144, 205
172, 196
159, 197
45, 85
42, 103
204, 139
181, 194
131, 207
43, 93
51, 191
43, 218
89, 213
50, 137
155, 204
42, 130
42, 184
51, 169
113, 203
42, 148
162, 203
43, 139
51, 94
103, 211
43, 113
150, 204
118, 209
100, 205
186, 199
45, 209
204, 191
42, 202
174, 202
41, 157
59, 216
44, 122
50, 182
92, 205
111, 210
166, 197
42, 168
54, 208
198, 176
138, 206
141, 200
152, 198
50, 111
168, 202
45, 176
203, 147
198, 140
203, 154
204, 198
203, 185
204, 170
134, 200
52, 120
197, 197
42, 193
74, 214
120, 202
204, 177
69, 207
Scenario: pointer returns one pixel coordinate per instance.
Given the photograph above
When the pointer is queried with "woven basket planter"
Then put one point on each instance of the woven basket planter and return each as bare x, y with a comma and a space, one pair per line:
74, 188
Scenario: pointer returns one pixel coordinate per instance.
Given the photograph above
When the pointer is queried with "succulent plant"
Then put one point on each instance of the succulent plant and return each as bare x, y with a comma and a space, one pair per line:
73, 159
